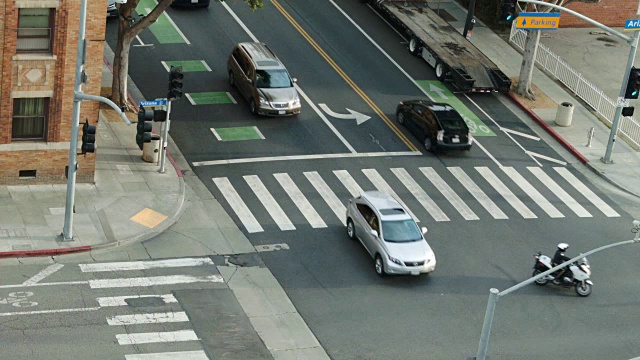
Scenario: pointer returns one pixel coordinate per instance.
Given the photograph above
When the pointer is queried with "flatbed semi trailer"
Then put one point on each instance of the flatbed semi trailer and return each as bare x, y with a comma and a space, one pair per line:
454, 58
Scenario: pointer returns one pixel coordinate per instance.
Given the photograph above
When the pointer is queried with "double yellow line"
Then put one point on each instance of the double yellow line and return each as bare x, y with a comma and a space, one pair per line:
346, 78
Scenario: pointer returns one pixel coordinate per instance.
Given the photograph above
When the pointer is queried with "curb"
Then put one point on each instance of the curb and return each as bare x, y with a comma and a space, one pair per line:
46, 252
550, 130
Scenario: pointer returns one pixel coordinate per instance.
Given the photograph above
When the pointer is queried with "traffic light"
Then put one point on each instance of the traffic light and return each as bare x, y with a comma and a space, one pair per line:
159, 115
175, 83
633, 84
144, 126
88, 138
508, 11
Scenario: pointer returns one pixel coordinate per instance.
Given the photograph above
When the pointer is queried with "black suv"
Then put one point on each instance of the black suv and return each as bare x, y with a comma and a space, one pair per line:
436, 125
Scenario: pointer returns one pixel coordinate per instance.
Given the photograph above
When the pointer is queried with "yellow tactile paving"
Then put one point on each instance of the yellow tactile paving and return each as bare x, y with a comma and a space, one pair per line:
148, 218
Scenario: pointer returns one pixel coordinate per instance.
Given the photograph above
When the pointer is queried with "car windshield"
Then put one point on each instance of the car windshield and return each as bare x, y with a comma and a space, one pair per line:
273, 79
401, 231
451, 120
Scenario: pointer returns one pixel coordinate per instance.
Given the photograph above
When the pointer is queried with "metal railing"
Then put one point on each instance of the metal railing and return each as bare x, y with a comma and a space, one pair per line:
33, 40
600, 103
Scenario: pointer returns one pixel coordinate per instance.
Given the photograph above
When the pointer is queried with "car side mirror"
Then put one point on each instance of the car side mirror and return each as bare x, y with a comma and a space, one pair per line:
374, 233
294, 80
424, 230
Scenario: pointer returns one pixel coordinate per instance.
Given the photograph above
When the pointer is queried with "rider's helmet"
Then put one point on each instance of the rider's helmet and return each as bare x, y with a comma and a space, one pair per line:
563, 247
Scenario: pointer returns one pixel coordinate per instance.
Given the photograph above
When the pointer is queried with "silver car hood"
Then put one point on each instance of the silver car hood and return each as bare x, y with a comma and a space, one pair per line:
410, 251
279, 95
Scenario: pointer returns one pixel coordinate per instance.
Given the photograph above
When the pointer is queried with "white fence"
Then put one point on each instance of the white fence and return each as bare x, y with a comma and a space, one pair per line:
601, 104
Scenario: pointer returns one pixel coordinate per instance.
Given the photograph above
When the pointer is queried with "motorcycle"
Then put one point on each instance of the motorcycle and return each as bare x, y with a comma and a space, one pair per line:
577, 274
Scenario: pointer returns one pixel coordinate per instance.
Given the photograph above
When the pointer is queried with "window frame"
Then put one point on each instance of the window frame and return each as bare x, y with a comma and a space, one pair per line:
44, 116
51, 23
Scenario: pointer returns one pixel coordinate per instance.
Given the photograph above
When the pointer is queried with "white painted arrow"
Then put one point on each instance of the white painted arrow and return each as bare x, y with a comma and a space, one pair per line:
360, 118
437, 90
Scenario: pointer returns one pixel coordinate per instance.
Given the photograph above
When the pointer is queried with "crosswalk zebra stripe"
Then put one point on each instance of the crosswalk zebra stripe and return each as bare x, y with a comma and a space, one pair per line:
345, 178
382, 185
300, 200
174, 355
109, 301
329, 197
420, 195
239, 207
477, 193
143, 265
503, 190
269, 203
532, 192
150, 318
448, 193
152, 281
156, 337
586, 192
559, 192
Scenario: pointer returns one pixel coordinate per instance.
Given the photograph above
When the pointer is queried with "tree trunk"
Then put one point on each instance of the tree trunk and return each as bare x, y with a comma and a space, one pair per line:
121, 64
528, 63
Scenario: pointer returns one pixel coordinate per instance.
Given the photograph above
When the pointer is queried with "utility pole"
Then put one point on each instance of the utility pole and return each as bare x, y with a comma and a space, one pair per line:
78, 96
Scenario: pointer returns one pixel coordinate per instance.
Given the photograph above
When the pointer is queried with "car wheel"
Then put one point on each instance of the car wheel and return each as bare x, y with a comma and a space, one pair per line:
428, 143
414, 46
351, 230
400, 117
379, 266
441, 72
252, 107
231, 80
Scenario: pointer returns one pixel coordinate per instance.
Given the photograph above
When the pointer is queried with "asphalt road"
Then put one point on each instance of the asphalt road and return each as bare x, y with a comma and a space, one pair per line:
330, 280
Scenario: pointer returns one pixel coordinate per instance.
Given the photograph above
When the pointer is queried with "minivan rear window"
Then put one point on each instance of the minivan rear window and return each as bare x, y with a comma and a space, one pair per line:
266, 79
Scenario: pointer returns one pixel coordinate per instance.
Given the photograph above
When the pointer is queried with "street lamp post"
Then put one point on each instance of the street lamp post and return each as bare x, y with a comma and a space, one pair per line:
78, 96
495, 294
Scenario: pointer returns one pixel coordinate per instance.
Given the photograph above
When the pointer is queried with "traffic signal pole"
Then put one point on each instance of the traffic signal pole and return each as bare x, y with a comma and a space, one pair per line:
165, 137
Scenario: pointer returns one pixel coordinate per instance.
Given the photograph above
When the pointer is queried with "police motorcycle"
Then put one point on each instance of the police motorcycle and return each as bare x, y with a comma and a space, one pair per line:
577, 274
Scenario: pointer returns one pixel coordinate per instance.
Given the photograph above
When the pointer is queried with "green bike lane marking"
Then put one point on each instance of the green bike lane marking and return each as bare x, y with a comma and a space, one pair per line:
439, 93
207, 98
164, 29
237, 133
187, 65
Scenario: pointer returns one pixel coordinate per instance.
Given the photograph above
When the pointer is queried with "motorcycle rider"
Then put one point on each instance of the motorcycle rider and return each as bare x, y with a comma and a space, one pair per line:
558, 258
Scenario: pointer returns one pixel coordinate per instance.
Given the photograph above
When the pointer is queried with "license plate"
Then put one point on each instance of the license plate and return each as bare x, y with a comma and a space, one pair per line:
194, 1
415, 272
281, 112
455, 140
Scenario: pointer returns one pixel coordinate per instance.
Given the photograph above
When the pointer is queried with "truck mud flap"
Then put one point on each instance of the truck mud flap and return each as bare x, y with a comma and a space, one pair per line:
500, 80
462, 79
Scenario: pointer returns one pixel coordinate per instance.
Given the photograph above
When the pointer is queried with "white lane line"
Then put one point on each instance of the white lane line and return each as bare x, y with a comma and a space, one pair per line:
122, 300
432, 208
143, 265
156, 337
242, 25
215, 133
166, 67
43, 274
306, 157
233, 100
535, 138
559, 192
140, 41
586, 192
300, 200
329, 197
38, 312
503, 190
487, 152
534, 154
477, 193
448, 193
533, 193
239, 207
151, 318
152, 281
190, 98
175, 355
269, 202
81, 282
206, 66
148, 10
377, 181
258, 132
352, 186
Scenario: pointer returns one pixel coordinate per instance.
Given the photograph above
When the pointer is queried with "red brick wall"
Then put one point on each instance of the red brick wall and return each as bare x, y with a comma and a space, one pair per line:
50, 164
612, 13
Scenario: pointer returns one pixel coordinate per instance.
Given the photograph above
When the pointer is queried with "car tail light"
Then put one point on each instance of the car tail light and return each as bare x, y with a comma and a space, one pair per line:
440, 135
470, 137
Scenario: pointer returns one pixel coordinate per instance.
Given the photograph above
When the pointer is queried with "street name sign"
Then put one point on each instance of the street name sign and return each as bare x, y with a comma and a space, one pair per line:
153, 103
538, 21
632, 24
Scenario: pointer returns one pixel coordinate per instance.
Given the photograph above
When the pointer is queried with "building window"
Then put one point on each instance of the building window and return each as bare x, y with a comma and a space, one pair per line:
34, 30
29, 118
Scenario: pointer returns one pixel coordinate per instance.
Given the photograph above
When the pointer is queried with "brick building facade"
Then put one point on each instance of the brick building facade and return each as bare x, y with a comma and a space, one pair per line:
612, 13
38, 54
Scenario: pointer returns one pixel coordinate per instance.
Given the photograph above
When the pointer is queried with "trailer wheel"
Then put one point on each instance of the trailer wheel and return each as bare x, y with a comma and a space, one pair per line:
441, 71
414, 46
